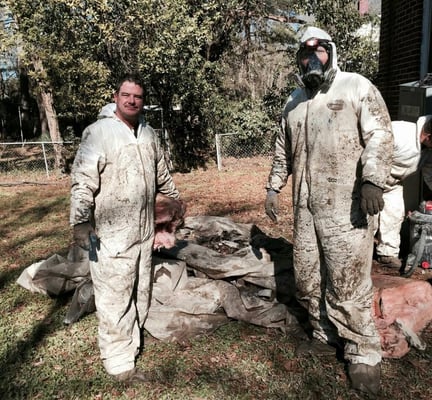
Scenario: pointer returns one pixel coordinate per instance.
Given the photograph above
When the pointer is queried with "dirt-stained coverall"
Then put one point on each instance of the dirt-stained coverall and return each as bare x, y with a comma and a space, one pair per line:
115, 178
408, 157
332, 140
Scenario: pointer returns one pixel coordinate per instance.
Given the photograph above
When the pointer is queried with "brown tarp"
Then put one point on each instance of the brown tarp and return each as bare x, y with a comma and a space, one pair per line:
220, 270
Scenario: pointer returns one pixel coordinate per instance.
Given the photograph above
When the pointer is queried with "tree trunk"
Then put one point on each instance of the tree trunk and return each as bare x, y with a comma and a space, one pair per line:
50, 113
47, 102
42, 115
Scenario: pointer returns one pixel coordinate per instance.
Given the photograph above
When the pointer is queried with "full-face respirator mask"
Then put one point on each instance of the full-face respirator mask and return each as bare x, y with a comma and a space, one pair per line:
313, 73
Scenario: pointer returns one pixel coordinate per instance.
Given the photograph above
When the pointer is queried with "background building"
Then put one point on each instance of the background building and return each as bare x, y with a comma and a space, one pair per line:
405, 66
405, 55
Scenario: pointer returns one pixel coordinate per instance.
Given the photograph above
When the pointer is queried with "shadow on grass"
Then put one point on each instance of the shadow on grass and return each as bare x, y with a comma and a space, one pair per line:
23, 223
20, 352
10, 276
31, 215
242, 361
29, 238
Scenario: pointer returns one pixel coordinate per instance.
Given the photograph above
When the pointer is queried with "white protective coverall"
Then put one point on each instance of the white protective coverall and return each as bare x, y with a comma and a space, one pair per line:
331, 141
115, 178
408, 157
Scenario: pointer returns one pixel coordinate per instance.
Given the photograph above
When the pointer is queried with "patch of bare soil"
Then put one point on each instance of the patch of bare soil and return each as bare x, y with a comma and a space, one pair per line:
418, 273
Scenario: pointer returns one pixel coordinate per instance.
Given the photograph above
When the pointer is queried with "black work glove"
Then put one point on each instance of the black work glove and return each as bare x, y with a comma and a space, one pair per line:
272, 205
371, 198
81, 234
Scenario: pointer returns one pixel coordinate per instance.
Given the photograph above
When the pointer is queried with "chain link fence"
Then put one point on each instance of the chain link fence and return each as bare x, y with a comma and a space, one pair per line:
21, 158
38, 159
235, 145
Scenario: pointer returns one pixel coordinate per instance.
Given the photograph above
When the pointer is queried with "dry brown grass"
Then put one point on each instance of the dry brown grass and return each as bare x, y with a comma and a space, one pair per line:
40, 358
237, 191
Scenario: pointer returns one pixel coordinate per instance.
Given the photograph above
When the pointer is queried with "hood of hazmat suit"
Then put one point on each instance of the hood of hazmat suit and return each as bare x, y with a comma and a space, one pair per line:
315, 73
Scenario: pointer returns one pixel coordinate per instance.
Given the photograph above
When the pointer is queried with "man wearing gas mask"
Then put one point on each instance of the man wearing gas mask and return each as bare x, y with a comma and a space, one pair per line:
313, 59
336, 142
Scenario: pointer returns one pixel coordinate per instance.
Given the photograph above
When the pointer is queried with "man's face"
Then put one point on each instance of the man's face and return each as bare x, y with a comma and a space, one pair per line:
129, 102
425, 139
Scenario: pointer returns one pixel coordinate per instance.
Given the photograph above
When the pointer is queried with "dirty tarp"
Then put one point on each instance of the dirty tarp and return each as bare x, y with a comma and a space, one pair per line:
196, 288
57, 274
220, 270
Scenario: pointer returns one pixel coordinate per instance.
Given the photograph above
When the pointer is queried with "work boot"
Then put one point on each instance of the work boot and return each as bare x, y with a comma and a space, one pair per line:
365, 378
315, 347
132, 376
390, 261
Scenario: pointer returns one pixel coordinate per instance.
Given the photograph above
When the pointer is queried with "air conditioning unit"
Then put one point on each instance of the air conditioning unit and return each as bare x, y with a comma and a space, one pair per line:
415, 99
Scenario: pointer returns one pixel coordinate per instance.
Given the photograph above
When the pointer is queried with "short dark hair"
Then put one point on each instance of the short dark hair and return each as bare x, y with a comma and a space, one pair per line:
427, 127
132, 77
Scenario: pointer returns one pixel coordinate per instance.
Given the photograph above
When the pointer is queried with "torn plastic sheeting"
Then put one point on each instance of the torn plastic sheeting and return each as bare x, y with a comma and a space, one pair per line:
57, 274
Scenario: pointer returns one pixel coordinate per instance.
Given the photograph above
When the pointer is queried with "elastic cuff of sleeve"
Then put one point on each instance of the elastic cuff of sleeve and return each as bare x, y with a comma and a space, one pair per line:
272, 191
372, 183
79, 223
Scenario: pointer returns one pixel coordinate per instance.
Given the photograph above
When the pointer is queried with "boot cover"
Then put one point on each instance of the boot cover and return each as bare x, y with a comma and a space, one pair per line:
315, 347
132, 376
365, 378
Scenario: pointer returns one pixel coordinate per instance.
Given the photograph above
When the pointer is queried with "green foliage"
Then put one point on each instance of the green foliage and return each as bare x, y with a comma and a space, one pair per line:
85, 46
274, 100
366, 48
65, 37
251, 123
250, 119
209, 59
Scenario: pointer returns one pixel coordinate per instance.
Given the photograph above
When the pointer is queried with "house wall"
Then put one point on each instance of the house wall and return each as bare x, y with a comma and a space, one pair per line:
405, 56
400, 48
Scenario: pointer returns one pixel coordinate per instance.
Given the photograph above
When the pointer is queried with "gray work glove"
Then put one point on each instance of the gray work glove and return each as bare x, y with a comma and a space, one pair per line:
81, 234
371, 198
272, 204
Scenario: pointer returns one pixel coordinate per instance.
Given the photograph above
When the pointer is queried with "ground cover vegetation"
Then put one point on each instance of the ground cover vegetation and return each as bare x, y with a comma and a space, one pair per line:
41, 358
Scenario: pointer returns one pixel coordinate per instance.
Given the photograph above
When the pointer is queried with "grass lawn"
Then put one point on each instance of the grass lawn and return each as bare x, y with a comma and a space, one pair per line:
41, 358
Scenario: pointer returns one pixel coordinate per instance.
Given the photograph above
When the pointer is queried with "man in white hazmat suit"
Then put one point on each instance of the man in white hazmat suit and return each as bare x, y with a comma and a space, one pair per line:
336, 141
117, 171
412, 152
